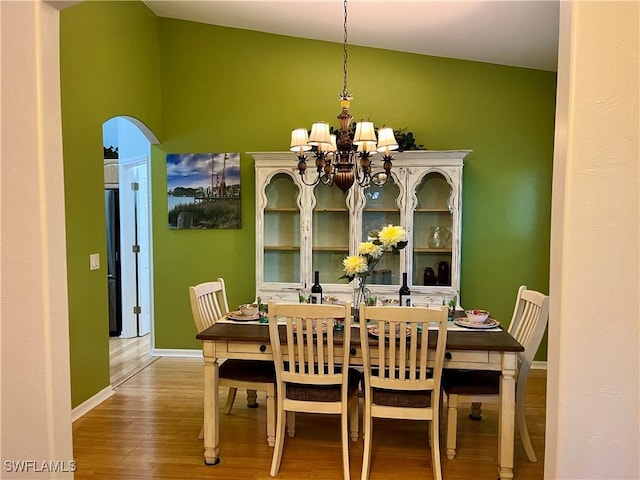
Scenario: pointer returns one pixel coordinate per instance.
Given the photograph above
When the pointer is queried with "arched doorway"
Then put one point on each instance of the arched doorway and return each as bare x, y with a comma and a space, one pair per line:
129, 244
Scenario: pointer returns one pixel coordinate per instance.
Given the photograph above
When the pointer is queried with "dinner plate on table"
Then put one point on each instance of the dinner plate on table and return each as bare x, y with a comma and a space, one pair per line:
466, 323
238, 316
374, 332
314, 328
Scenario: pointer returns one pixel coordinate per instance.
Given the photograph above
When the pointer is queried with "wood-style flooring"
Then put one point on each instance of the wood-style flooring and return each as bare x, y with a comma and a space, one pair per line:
149, 430
127, 356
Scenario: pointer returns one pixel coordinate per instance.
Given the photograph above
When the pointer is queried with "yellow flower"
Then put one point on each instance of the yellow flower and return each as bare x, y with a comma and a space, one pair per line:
355, 264
368, 248
391, 235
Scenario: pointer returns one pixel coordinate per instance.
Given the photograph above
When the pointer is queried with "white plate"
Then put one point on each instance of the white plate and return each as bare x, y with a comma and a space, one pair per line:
333, 301
465, 322
374, 331
390, 302
240, 317
314, 328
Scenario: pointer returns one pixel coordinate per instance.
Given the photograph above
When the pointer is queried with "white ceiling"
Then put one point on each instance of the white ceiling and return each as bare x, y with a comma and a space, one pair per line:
520, 33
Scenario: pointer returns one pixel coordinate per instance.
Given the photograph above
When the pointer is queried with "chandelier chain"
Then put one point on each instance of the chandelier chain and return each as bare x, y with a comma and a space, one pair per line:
345, 92
336, 159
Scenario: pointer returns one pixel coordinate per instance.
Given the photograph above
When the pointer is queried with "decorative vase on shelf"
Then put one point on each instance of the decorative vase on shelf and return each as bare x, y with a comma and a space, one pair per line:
429, 277
443, 273
439, 236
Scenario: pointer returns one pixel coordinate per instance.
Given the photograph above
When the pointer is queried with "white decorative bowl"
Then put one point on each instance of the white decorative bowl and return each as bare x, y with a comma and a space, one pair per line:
477, 316
249, 309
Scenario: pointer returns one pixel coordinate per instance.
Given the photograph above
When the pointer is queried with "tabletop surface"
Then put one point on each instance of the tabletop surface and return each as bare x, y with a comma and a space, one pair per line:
495, 340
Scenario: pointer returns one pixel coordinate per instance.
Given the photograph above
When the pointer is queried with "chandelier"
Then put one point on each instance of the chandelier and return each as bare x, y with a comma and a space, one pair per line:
335, 156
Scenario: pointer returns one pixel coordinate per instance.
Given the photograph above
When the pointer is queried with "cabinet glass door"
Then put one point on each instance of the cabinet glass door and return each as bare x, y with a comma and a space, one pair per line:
381, 210
432, 232
330, 235
281, 231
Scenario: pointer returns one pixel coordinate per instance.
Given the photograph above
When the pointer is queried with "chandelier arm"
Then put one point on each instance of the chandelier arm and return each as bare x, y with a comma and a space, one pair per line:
329, 182
315, 182
365, 182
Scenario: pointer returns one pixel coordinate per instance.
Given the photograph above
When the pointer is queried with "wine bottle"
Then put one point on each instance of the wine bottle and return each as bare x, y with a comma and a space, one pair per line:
316, 289
405, 292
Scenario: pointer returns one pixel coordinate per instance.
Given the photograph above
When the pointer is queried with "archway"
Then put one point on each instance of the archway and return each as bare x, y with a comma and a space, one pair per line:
129, 244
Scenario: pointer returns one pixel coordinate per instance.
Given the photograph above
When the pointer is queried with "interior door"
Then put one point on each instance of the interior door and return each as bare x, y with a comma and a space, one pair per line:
135, 247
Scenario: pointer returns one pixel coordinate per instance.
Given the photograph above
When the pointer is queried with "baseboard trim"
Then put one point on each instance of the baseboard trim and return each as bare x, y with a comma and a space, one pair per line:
176, 352
539, 365
91, 403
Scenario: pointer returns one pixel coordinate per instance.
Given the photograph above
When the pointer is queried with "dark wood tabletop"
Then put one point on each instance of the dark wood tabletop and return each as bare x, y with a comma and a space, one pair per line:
494, 341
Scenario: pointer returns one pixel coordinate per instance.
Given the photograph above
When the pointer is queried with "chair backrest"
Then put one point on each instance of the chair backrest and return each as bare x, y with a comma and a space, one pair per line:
405, 360
308, 342
208, 303
529, 320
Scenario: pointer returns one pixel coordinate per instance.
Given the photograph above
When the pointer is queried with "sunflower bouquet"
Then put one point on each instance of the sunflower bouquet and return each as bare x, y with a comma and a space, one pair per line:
390, 238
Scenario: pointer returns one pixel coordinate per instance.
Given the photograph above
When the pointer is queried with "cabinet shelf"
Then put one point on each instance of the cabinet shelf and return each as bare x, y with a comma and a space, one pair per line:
330, 210
432, 210
383, 210
322, 248
281, 248
282, 210
431, 250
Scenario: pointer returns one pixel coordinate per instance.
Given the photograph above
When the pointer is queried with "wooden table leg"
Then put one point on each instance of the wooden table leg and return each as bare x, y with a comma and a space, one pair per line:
211, 420
506, 428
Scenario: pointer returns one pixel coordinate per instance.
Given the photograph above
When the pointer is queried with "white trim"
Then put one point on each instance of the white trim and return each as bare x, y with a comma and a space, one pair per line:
176, 352
539, 365
36, 394
91, 403
152, 320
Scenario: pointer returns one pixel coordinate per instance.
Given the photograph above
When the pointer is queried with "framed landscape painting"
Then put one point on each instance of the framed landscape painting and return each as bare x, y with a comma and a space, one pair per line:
203, 190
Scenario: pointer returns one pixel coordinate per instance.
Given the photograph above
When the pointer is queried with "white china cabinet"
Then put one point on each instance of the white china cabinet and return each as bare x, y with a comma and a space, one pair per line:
301, 228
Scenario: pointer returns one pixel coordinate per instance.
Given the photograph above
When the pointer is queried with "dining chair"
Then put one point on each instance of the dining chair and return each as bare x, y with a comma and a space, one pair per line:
209, 304
402, 380
527, 326
314, 377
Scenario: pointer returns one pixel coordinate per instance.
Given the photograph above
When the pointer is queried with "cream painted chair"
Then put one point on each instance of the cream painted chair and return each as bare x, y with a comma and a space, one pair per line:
398, 381
311, 380
209, 304
527, 326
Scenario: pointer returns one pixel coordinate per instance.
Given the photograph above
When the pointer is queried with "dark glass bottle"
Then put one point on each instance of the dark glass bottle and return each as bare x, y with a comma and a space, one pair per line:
429, 276
316, 289
405, 292
443, 274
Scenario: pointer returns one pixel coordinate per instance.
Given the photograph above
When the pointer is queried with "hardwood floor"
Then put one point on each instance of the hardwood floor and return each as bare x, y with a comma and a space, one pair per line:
149, 430
127, 356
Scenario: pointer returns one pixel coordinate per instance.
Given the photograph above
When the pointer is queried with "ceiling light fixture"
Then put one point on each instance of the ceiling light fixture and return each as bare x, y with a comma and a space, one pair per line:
336, 158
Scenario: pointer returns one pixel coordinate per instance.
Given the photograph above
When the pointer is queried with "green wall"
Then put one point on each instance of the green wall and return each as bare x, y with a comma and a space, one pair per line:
109, 65
238, 91
229, 90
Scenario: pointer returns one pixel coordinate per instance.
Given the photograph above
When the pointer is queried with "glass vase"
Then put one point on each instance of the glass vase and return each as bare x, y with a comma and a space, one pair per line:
360, 295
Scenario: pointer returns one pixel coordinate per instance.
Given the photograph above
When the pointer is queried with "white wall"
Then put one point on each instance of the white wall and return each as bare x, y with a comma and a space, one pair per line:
36, 397
593, 404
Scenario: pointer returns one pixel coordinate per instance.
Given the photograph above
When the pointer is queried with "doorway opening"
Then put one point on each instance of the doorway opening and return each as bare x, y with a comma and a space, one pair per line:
127, 174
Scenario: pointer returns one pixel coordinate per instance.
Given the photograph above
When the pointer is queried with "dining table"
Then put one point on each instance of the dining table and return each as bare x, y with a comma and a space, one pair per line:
488, 349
